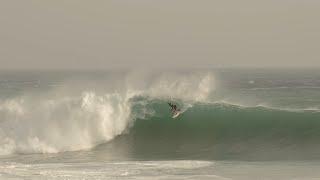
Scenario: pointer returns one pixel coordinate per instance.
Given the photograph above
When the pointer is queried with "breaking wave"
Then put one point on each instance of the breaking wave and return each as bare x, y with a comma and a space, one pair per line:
130, 112
80, 115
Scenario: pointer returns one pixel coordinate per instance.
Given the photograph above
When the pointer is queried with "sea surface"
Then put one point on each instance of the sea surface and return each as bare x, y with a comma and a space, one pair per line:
236, 124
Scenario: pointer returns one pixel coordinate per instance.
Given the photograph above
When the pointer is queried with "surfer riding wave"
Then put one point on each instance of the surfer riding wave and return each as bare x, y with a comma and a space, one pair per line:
173, 107
174, 110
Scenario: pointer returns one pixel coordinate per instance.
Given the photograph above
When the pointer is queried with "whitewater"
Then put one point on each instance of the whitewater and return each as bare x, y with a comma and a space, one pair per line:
70, 118
236, 124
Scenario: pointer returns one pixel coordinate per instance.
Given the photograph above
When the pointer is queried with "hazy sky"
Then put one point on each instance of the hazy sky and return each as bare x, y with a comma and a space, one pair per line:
37, 34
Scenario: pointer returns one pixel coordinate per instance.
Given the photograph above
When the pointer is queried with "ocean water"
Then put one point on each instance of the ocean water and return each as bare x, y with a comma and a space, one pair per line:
236, 124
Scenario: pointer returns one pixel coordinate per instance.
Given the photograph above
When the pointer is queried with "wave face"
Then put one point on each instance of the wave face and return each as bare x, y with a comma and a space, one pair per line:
226, 131
51, 115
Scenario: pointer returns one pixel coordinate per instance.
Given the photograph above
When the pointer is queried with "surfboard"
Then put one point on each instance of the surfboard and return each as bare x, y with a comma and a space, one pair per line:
176, 114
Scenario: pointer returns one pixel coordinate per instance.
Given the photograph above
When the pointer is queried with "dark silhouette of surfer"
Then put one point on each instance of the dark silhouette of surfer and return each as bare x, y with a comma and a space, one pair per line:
173, 107
174, 110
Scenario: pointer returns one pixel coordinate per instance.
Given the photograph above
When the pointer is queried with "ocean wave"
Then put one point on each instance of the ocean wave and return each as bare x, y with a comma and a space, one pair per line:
71, 118
77, 116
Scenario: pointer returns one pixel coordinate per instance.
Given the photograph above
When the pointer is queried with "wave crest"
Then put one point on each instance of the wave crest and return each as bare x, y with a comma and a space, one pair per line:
61, 120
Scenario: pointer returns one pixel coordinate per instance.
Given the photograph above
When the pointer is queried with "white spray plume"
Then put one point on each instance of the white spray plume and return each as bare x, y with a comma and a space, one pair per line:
47, 123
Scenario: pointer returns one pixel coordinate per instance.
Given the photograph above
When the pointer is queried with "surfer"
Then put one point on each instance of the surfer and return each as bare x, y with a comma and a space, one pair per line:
174, 110
173, 107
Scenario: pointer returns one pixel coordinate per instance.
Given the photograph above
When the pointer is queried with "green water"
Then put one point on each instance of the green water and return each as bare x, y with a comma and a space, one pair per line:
236, 124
